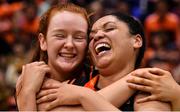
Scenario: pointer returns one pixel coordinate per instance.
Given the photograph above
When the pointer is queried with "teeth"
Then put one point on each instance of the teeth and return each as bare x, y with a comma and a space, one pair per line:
67, 55
98, 46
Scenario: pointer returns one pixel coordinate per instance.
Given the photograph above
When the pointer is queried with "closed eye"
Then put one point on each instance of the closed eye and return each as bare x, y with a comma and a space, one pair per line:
79, 38
108, 29
60, 36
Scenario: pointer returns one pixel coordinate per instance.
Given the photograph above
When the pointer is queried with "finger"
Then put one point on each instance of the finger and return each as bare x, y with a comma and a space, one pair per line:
148, 98
45, 92
143, 73
139, 80
157, 71
72, 81
66, 82
140, 87
47, 69
50, 86
52, 105
40, 63
49, 97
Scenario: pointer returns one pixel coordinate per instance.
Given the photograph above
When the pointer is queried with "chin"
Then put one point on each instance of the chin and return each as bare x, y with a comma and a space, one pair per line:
102, 64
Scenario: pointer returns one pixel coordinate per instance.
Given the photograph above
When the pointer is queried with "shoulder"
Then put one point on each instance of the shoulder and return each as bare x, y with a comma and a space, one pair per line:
150, 105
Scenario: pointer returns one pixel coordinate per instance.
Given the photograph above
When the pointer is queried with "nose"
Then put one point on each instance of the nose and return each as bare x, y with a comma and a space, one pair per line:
69, 44
99, 35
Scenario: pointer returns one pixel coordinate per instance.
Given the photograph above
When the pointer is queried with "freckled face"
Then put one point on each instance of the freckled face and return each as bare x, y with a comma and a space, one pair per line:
66, 40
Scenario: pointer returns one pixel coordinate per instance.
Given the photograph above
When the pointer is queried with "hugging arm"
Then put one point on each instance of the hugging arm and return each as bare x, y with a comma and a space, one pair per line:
161, 86
29, 84
66, 94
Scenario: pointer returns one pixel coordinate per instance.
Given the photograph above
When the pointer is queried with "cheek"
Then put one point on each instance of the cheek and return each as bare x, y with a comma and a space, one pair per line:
82, 48
90, 47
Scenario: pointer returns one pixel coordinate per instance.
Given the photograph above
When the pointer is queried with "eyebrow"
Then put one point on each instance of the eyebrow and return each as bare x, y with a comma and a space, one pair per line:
62, 30
104, 25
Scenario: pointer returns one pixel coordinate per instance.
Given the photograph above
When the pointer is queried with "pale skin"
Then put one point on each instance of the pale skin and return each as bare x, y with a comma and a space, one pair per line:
66, 95
68, 98
153, 105
29, 91
65, 89
62, 95
159, 83
64, 51
39, 69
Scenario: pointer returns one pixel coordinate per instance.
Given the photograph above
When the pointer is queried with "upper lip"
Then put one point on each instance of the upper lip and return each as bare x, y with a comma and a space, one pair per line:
68, 53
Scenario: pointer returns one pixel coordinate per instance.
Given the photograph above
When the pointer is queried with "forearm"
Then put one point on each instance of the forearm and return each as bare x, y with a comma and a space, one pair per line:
26, 101
68, 108
92, 101
118, 92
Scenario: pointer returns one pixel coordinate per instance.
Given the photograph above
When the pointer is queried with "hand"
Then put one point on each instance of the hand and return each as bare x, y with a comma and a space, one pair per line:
33, 75
65, 94
158, 82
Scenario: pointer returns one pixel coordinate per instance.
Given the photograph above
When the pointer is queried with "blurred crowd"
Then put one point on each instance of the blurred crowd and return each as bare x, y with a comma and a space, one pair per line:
19, 21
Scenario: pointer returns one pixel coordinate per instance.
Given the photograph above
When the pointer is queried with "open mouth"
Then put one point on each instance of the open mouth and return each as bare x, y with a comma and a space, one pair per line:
102, 47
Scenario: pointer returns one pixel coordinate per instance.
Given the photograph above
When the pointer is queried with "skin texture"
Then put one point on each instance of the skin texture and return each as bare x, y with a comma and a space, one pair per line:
65, 47
159, 83
117, 35
110, 72
29, 90
106, 30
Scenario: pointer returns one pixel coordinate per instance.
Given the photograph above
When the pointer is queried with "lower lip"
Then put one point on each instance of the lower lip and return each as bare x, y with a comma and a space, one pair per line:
103, 53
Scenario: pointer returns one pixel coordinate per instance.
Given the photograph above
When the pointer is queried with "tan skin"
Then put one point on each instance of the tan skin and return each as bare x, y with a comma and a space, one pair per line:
135, 43
66, 48
159, 83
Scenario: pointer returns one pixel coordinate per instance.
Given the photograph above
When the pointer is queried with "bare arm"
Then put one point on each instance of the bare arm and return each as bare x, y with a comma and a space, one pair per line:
67, 94
150, 105
29, 84
159, 83
120, 89
121, 92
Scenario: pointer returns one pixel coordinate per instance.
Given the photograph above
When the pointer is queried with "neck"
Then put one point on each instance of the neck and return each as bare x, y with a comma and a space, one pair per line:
57, 74
105, 80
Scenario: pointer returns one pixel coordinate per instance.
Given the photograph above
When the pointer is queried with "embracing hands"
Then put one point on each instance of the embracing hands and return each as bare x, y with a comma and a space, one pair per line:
54, 94
32, 77
29, 83
158, 82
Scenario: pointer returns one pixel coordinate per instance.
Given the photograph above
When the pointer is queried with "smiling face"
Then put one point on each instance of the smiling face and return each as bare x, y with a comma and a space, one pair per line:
66, 41
112, 46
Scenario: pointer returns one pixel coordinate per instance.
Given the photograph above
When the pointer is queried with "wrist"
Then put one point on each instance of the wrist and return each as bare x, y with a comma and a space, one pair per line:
26, 101
30, 90
85, 95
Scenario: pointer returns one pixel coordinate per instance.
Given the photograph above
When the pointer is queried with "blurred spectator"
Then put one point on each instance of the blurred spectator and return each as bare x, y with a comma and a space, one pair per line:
14, 68
164, 21
28, 21
96, 10
123, 7
19, 22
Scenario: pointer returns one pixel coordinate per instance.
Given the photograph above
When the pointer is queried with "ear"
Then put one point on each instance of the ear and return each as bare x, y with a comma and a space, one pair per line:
137, 42
42, 41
